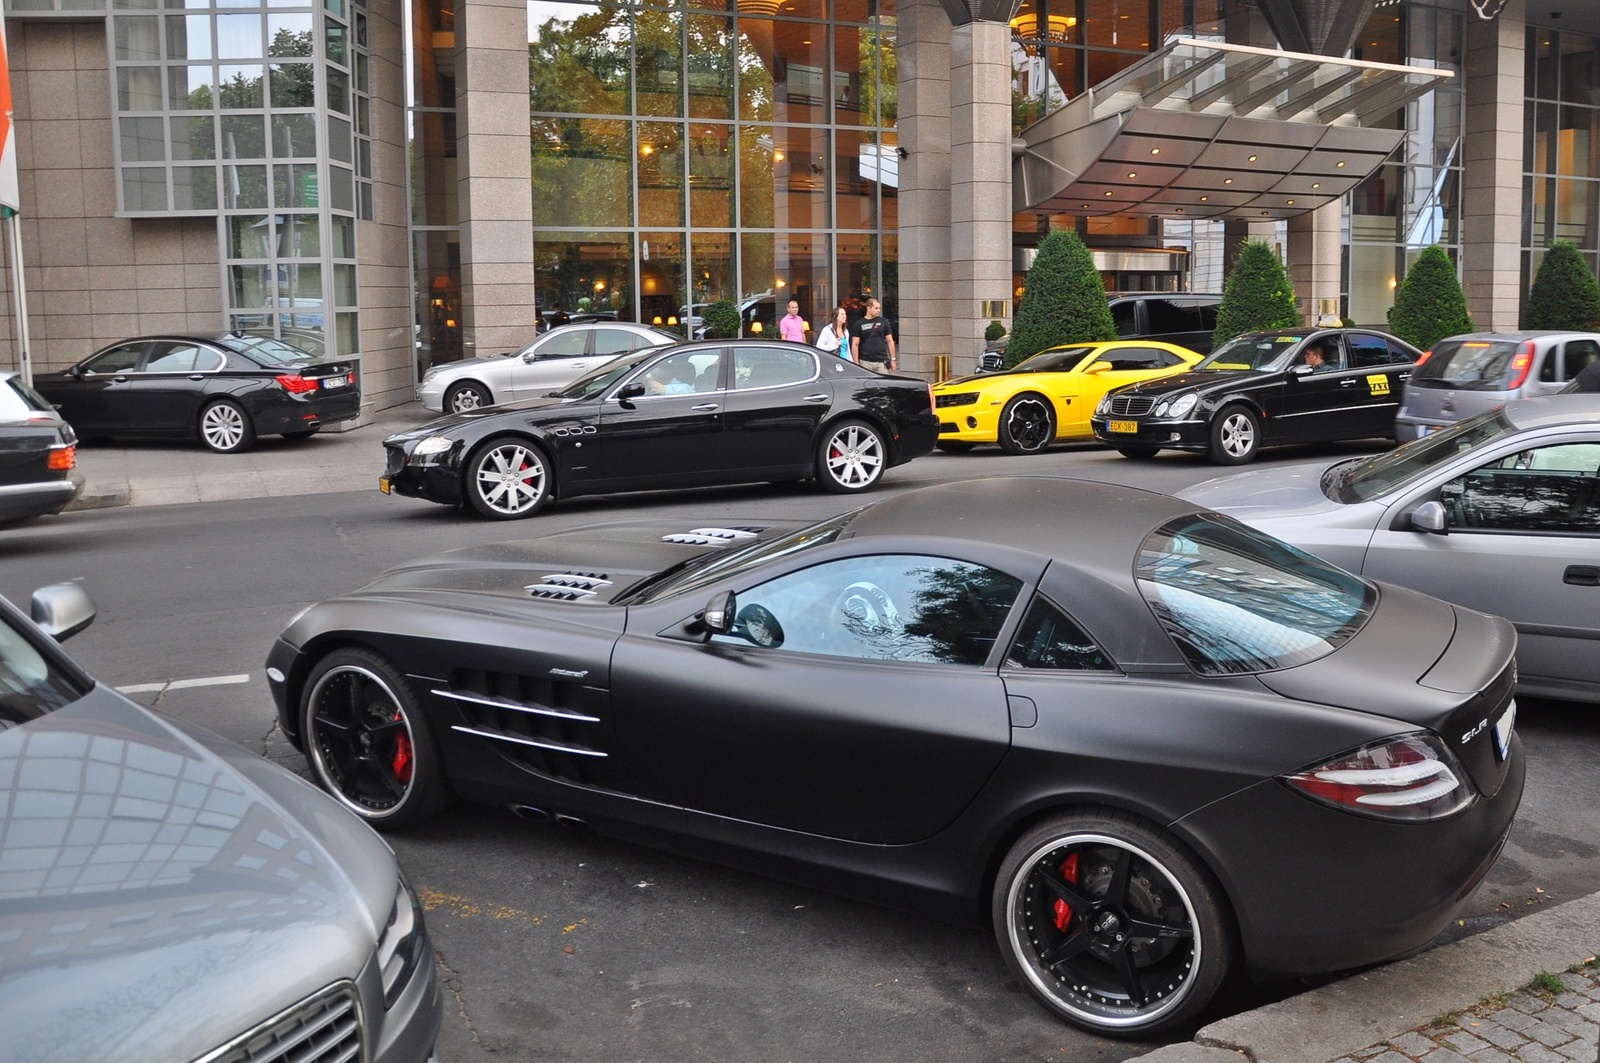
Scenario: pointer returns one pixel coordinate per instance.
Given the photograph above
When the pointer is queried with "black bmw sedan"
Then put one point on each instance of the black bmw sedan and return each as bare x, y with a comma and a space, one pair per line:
1263, 389
1144, 741
684, 416
225, 390
38, 453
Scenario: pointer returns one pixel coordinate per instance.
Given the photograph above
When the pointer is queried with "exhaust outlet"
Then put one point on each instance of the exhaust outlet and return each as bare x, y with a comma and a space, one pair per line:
538, 815
570, 821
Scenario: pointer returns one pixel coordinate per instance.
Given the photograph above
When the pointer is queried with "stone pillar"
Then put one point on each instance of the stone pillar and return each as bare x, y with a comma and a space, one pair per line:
980, 182
1491, 180
923, 124
1313, 254
494, 175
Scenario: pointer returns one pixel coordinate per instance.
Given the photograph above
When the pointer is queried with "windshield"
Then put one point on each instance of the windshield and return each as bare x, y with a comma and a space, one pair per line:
1468, 365
1360, 480
30, 685
274, 354
711, 568
1234, 600
595, 381
1253, 350
1058, 360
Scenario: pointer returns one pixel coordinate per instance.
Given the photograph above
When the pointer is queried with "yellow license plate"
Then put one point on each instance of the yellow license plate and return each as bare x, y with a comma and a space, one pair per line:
383, 484
1123, 426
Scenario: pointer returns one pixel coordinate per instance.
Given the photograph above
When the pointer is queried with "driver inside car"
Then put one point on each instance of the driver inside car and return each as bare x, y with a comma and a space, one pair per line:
664, 379
1322, 357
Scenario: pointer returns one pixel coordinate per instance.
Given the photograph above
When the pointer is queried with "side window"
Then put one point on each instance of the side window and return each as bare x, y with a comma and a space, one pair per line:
1050, 640
1328, 352
766, 367
1131, 358
116, 360
1551, 489
1579, 355
901, 607
30, 685
565, 343
613, 341
1208, 317
1399, 355
207, 361
1367, 351
172, 358
687, 373
1549, 361
1123, 316
1166, 317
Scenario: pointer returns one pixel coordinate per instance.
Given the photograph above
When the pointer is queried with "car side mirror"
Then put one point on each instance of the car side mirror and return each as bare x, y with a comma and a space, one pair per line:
530, 357
720, 613
1099, 367
1300, 370
1430, 517
630, 391
62, 610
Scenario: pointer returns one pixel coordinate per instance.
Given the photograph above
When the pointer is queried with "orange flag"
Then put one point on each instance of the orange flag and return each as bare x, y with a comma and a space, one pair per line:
10, 192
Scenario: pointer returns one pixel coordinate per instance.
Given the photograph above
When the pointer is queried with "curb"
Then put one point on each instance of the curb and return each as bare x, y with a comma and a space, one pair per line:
1385, 1002
100, 496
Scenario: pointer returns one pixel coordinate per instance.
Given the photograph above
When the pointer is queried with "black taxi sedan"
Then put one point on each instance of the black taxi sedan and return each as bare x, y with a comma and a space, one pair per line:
223, 390
1262, 389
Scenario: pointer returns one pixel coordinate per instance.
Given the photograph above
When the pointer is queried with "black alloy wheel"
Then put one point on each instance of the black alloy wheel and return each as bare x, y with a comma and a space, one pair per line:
225, 427
507, 478
367, 742
1110, 924
1235, 435
466, 396
852, 457
1027, 424
304, 433
955, 446
1138, 453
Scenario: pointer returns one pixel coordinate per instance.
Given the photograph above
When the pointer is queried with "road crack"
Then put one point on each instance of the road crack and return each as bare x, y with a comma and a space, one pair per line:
452, 982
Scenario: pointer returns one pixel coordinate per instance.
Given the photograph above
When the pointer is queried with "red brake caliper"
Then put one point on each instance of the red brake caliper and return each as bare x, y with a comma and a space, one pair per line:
402, 756
1069, 871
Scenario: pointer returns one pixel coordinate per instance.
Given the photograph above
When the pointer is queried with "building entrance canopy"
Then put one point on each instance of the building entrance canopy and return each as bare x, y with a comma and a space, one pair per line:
1204, 129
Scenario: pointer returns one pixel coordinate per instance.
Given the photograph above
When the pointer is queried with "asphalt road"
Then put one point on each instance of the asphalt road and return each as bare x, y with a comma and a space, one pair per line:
556, 944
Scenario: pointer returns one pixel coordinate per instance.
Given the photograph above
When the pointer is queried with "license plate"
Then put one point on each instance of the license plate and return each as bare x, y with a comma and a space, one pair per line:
329, 382
383, 484
1123, 426
1502, 732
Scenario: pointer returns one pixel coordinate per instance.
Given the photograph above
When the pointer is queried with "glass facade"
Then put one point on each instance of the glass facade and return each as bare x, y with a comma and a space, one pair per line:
1561, 152
435, 217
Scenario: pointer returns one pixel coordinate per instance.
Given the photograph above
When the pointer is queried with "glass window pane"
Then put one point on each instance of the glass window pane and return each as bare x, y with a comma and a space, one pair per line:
335, 44
1049, 639
783, 177
143, 140
1580, 69
250, 286
1550, 490
710, 176
249, 236
349, 326
860, 165
581, 172
568, 265
661, 173
777, 269
240, 87
188, 37
437, 284
658, 53
766, 367
244, 187
710, 66
299, 236
340, 144
190, 88
338, 92
690, 373
880, 39
712, 276
661, 280
341, 189
295, 186
193, 137
782, 71
853, 76
244, 136
144, 188
138, 37
578, 58
239, 37
1577, 210
433, 171
344, 238
855, 255
1576, 142
171, 358
289, 36
300, 285
294, 136
344, 285
139, 88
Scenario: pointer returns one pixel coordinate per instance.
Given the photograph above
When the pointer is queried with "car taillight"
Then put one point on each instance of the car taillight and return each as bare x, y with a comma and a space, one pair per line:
1520, 365
1425, 356
296, 385
62, 458
930, 396
1411, 778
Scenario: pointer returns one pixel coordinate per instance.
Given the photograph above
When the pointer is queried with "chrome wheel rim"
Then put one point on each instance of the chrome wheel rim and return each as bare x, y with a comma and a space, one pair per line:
222, 426
1028, 424
465, 399
1238, 435
510, 479
855, 456
1103, 930
360, 741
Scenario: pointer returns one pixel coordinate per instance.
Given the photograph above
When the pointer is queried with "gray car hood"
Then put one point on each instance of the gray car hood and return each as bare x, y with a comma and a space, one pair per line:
1284, 492
161, 894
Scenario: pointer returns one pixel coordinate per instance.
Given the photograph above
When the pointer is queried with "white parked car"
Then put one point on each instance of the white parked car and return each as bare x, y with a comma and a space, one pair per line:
552, 361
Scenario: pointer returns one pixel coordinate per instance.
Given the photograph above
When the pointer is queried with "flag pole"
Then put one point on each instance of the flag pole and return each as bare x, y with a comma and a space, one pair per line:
11, 207
19, 292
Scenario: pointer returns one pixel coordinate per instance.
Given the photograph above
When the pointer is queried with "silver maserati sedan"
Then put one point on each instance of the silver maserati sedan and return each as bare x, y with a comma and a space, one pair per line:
552, 361
168, 897
1500, 513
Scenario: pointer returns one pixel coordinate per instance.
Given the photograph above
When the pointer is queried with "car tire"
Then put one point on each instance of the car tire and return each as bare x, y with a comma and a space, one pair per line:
1027, 424
304, 433
366, 740
851, 457
466, 397
956, 447
1065, 897
1235, 436
225, 427
1138, 453
507, 478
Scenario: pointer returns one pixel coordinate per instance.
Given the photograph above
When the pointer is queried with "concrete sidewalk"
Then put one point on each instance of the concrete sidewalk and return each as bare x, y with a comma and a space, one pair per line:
168, 473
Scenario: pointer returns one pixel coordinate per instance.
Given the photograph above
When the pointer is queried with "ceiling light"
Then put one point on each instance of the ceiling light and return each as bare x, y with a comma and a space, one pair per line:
1227, 180
1155, 151
1263, 214
1180, 210
1291, 202
1340, 164
805, 42
1205, 199
1251, 159
1108, 191
1132, 174
1316, 184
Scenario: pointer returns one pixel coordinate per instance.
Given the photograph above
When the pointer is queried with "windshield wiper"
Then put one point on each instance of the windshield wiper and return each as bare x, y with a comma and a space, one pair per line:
633, 591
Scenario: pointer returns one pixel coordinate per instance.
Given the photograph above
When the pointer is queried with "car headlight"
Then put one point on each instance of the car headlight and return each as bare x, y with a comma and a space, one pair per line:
401, 944
430, 374
1104, 407
1180, 406
1160, 410
431, 446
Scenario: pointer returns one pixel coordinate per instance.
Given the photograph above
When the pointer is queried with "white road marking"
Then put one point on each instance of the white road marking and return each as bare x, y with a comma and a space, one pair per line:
184, 684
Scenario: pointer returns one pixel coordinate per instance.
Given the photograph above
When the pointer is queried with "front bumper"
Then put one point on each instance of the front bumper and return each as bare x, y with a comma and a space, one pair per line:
438, 481
431, 394
978, 422
40, 498
1165, 434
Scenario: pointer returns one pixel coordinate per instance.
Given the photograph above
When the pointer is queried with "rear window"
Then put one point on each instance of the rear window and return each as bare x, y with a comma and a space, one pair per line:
1236, 601
18, 402
268, 352
1467, 365
1055, 360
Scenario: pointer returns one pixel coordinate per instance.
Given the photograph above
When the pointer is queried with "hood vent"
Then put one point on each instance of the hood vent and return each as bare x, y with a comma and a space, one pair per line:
568, 586
712, 536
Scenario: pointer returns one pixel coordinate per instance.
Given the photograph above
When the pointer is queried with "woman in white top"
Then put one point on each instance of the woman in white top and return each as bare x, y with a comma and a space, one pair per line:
835, 335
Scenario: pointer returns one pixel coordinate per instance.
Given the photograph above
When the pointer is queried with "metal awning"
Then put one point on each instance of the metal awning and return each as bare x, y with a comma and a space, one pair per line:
1205, 129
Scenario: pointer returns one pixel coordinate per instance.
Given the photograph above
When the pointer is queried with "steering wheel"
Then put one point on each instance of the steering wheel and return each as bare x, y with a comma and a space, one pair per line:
866, 610
756, 624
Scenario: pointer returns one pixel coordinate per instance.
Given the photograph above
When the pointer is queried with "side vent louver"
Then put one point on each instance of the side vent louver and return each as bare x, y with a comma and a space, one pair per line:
568, 586
711, 536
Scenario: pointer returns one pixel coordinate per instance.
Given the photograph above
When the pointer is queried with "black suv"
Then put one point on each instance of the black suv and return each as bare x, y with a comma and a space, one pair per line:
1184, 318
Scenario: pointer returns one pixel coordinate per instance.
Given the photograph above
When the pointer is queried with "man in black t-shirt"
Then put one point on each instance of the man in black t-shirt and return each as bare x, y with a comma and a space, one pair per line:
872, 341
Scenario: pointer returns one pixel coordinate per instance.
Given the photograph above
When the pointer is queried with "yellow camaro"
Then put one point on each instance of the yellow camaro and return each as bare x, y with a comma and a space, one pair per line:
1050, 396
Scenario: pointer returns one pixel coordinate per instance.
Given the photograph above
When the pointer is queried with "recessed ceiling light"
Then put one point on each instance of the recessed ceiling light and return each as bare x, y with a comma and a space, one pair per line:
1291, 202
1132, 174
1263, 214
1227, 180
1180, 210
1155, 151
1085, 206
1205, 199
805, 42
1108, 191
1340, 164
1316, 184
1252, 159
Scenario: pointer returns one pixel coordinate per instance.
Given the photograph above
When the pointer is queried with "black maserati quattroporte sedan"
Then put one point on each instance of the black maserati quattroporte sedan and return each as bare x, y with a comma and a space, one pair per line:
685, 416
1144, 740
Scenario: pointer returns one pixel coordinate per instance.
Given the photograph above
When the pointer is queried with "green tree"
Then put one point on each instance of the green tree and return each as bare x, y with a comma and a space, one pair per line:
1257, 295
1564, 293
1063, 300
720, 320
1428, 306
993, 332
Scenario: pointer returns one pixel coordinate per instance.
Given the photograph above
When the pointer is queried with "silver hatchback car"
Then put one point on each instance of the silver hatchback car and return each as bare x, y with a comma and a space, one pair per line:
168, 897
1465, 375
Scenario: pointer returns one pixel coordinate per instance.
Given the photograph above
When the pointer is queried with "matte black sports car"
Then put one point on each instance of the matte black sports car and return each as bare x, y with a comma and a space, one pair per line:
38, 452
226, 390
1146, 741
683, 416
1265, 389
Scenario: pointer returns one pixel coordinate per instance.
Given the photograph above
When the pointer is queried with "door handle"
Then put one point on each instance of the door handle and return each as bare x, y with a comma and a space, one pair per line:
197, 376
119, 380
819, 397
578, 365
1582, 575
1348, 382
704, 407
1405, 376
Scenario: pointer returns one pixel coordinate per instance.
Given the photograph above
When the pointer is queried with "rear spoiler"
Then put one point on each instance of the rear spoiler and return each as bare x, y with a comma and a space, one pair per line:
322, 369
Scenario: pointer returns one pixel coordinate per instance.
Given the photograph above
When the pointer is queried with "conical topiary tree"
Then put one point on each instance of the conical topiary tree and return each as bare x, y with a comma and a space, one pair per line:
720, 320
1063, 300
1428, 305
1564, 293
1257, 295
